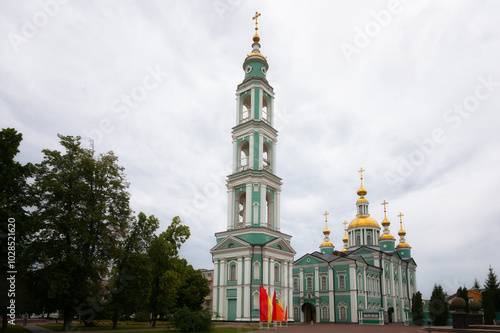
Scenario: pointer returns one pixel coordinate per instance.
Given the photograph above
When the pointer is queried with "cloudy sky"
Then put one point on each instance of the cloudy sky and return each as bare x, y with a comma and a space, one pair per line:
410, 91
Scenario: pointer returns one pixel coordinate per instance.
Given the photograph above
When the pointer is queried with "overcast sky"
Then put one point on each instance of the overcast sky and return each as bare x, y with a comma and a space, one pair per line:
410, 91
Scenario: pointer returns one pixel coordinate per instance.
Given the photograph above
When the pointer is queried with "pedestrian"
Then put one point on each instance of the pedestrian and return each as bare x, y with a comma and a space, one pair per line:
25, 318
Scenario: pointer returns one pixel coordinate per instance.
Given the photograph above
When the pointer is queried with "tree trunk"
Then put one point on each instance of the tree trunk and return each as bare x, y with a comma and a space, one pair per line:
68, 318
154, 319
115, 319
4, 321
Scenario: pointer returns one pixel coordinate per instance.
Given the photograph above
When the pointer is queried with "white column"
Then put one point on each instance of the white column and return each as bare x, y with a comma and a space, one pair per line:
261, 151
271, 109
252, 107
252, 143
236, 158
273, 158
248, 208
215, 287
365, 283
354, 302
237, 108
222, 293
290, 290
239, 282
263, 205
265, 271
277, 210
316, 281
284, 283
230, 208
331, 300
261, 98
301, 282
246, 289
271, 270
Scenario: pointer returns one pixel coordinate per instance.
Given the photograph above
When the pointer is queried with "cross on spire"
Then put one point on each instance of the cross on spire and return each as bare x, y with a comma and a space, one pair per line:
401, 218
361, 172
345, 224
326, 216
257, 14
384, 204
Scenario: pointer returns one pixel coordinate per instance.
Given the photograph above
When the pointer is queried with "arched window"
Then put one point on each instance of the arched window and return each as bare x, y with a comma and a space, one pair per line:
276, 273
256, 270
358, 238
324, 313
296, 314
256, 300
269, 209
343, 313
266, 110
309, 281
245, 108
360, 283
323, 283
230, 246
232, 272
241, 208
296, 284
244, 155
267, 156
369, 238
341, 282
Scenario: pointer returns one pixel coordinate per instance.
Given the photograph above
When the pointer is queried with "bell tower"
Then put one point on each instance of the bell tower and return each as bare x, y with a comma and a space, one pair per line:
252, 251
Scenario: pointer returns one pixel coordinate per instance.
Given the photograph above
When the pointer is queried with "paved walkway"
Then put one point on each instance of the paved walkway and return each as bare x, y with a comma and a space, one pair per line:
351, 328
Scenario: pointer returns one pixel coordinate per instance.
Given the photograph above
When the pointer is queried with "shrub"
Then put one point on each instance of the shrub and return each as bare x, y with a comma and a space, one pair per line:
186, 320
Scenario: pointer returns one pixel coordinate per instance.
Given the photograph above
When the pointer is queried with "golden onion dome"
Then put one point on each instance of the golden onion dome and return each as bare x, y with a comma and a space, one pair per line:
402, 244
362, 199
326, 231
386, 222
325, 243
256, 38
362, 192
387, 237
363, 221
401, 232
343, 250
345, 239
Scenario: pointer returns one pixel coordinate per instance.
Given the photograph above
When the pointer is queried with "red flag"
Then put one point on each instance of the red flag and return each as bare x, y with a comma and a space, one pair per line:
275, 306
279, 312
264, 313
286, 314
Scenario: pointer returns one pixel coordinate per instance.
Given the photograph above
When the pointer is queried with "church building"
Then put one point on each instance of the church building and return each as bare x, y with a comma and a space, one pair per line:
369, 280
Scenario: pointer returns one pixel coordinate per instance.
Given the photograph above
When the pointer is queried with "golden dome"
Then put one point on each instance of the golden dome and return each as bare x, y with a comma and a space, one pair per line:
343, 250
387, 237
361, 192
326, 231
256, 38
362, 199
325, 243
401, 232
345, 239
364, 221
386, 222
402, 244
255, 54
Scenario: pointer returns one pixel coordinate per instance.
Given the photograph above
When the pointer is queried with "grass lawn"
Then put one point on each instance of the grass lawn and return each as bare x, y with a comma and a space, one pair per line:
218, 328
78, 327
16, 329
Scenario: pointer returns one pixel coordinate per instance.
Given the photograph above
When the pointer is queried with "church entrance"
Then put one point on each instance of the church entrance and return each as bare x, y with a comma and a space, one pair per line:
309, 312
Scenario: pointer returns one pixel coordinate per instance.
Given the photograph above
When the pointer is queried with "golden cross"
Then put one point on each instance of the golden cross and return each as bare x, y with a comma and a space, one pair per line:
326, 216
384, 203
401, 218
361, 172
257, 14
345, 224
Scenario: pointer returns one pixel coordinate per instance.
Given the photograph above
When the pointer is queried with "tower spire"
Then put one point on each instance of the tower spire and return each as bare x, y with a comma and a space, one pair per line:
386, 239
326, 246
402, 233
345, 239
256, 37
361, 192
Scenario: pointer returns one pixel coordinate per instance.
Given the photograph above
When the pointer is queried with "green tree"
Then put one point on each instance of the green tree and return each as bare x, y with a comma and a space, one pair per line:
14, 222
130, 284
193, 290
162, 252
463, 293
417, 309
475, 284
438, 307
82, 207
491, 297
